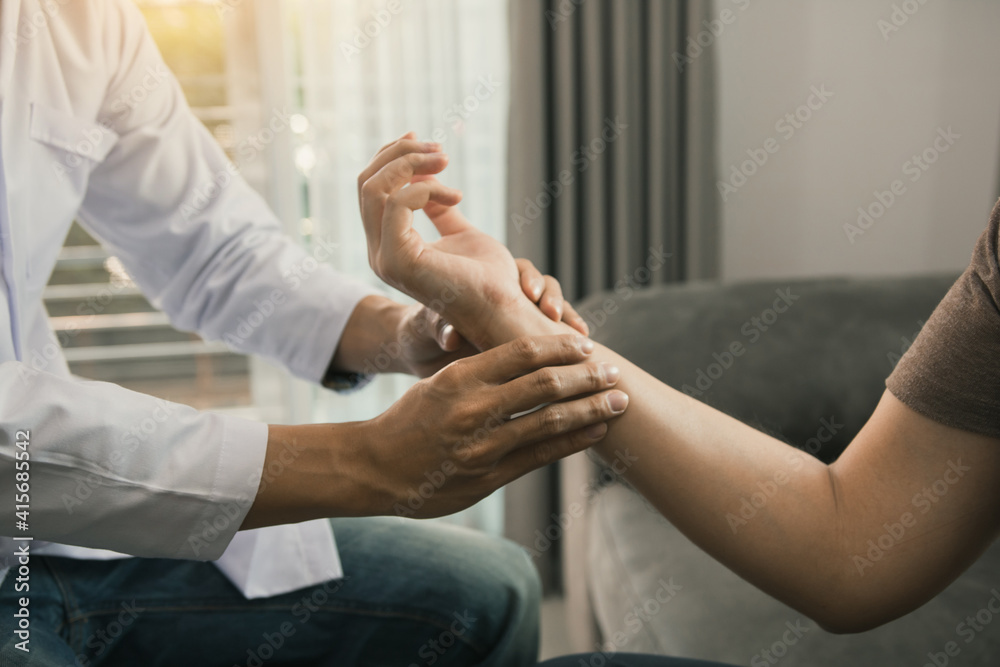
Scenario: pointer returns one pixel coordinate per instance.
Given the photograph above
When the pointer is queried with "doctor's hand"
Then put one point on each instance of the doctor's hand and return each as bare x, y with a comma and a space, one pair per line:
428, 343
449, 441
383, 336
467, 276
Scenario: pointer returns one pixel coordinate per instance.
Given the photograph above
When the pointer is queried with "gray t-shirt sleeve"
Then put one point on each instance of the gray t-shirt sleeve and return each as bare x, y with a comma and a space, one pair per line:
951, 373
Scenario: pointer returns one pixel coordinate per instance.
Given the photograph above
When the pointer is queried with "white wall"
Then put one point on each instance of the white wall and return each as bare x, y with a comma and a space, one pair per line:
941, 69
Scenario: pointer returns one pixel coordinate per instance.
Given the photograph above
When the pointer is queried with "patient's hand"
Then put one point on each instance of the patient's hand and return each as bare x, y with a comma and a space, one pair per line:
466, 275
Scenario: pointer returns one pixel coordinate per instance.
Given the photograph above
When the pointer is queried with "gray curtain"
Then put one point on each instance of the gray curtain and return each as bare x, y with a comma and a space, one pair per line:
599, 99
611, 165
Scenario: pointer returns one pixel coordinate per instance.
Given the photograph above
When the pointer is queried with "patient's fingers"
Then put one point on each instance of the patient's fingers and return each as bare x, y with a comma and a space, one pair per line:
408, 135
572, 318
551, 302
547, 293
446, 219
388, 180
397, 220
532, 281
394, 150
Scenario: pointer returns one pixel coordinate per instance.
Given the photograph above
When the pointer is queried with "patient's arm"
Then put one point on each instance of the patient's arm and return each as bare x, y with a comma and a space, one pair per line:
809, 544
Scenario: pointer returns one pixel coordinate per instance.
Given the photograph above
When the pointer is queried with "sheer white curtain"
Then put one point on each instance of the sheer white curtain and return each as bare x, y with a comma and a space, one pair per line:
353, 75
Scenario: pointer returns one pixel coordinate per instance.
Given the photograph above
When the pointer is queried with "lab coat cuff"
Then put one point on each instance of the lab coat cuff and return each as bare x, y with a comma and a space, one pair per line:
239, 468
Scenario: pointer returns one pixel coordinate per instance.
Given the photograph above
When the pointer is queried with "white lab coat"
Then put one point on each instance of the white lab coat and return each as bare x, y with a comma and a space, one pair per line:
93, 127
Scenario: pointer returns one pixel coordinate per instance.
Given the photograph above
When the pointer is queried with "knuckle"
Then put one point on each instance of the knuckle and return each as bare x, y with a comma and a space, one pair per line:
526, 349
370, 190
452, 374
553, 420
598, 408
403, 168
595, 376
366, 187
545, 453
548, 381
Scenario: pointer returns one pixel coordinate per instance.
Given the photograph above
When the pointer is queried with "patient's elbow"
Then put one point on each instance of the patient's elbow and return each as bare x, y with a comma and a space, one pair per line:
850, 618
846, 625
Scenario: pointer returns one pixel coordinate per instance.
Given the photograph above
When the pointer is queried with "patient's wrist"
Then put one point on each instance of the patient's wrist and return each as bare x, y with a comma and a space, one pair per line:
524, 319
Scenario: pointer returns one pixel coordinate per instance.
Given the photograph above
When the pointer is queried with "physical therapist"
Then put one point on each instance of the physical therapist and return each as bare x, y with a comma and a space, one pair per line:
388, 592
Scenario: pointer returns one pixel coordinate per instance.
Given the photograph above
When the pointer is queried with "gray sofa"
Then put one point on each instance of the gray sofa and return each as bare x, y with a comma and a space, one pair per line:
823, 361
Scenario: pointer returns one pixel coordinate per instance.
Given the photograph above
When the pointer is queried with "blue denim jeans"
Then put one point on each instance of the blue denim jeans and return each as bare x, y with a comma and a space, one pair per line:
414, 594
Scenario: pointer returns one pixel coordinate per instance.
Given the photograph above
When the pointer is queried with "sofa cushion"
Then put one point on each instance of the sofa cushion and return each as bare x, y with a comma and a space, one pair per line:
653, 591
823, 358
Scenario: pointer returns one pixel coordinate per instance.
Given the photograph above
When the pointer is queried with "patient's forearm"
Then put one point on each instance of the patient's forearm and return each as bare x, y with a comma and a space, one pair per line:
764, 509
701, 469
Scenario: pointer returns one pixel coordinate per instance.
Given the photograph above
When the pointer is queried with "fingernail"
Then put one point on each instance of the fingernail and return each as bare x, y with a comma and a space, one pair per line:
611, 373
432, 147
586, 345
596, 431
536, 290
617, 401
446, 332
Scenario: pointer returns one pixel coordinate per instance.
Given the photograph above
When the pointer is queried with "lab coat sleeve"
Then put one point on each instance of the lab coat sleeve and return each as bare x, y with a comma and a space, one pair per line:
201, 243
114, 469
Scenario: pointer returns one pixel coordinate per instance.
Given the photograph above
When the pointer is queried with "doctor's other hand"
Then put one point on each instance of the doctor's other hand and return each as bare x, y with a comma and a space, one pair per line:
450, 441
428, 342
